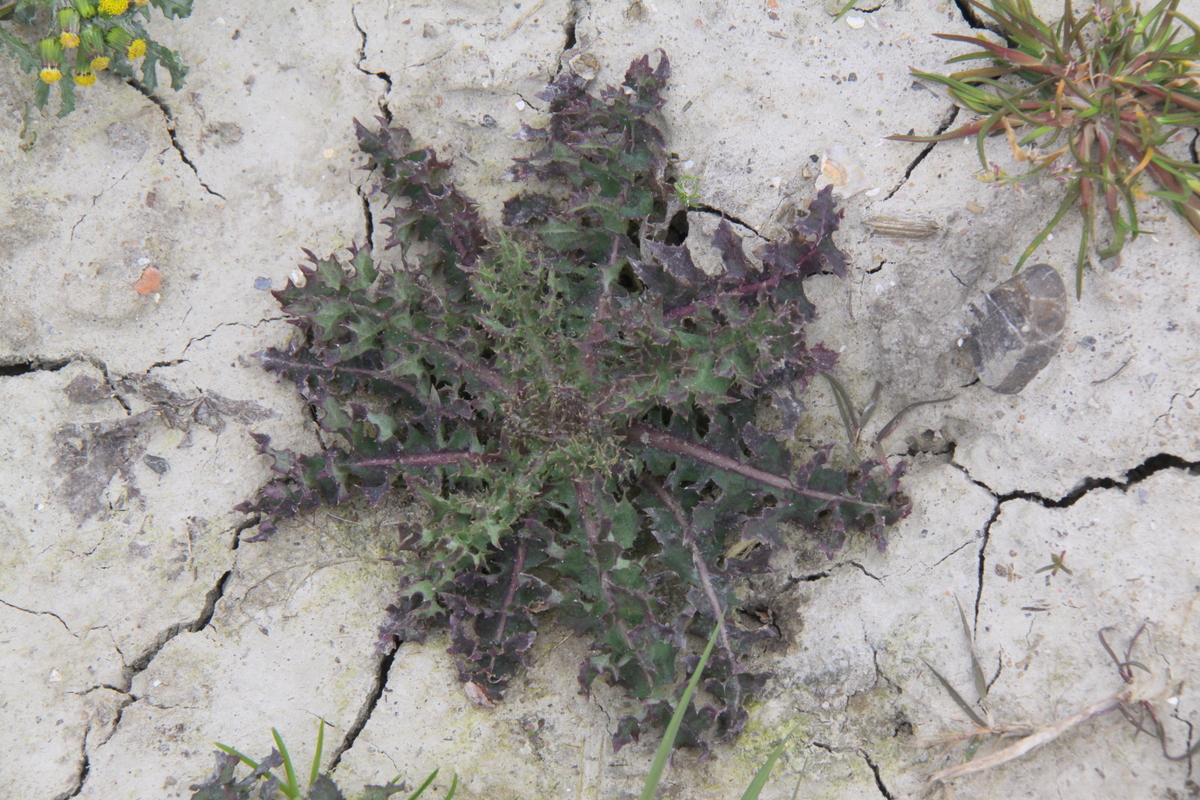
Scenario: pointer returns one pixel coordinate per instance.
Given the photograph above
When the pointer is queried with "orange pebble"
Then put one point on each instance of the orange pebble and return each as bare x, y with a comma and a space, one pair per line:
150, 282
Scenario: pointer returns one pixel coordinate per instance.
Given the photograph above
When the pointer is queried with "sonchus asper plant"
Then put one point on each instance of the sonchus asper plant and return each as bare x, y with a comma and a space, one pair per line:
67, 44
578, 405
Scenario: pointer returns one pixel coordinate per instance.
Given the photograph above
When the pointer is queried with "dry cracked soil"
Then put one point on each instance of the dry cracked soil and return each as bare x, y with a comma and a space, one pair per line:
136, 629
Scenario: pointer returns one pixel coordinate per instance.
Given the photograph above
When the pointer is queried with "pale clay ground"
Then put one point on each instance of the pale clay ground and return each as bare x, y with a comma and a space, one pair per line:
135, 632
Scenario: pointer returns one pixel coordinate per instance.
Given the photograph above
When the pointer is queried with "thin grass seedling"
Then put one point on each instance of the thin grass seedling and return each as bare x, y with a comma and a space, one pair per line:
287, 784
854, 420
1096, 98
262, 783
1055, 566
667, 746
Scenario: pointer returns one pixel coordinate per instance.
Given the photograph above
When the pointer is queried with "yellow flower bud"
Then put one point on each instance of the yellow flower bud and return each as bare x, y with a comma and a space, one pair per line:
50, 75
137, 49
85, 78
68, 40
100, 63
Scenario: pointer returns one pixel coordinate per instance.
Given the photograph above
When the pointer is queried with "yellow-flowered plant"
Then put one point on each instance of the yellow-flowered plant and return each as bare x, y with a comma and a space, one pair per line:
77, 39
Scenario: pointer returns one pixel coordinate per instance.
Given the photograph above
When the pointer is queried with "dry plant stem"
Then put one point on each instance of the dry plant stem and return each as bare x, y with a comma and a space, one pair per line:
1001, 731
1034, 740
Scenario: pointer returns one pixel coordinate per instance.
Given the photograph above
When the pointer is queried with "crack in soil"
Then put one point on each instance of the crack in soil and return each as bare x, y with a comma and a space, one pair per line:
170, 118
85, 766
942, 127
1133, 476
704, 208
95, 198
368, 218
970, 17
140, 664
864, 571
363, 195
195, 339
15, 368
879, 784
368, 708
381, 75
39, 614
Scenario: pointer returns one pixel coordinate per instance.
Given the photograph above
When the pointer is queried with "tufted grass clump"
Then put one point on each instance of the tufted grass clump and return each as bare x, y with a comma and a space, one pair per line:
1092, 101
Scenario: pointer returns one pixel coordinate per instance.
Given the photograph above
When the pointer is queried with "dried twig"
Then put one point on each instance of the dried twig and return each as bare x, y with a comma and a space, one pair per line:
1033, 741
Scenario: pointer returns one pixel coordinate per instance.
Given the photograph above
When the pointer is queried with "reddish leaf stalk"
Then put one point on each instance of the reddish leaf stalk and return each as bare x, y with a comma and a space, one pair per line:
645, 435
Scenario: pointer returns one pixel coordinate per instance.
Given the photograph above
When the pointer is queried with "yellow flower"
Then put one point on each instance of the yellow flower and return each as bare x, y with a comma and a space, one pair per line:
50, 75
137, 49
68, 40
112, 8
100, 63
85, 78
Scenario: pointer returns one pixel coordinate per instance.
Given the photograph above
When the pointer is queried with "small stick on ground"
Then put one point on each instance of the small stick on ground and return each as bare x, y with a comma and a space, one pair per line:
1033, 741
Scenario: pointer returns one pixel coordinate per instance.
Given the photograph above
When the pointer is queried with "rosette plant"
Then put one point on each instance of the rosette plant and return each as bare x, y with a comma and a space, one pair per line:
596, 428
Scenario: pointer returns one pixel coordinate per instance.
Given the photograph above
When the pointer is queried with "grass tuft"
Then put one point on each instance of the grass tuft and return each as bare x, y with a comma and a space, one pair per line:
1091, 101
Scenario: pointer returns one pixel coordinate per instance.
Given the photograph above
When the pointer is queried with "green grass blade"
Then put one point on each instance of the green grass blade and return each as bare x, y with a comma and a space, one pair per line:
245, 759
1081, 259
981, 688
764, 772
316, 765
956, 697
291, 788
845, 10
972, 748
845, 408
668, 742
421, 789
869, 409
887, 429
1071, 197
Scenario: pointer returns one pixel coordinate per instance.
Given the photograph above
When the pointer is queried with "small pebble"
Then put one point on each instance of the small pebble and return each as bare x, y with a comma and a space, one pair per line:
262, 284
157, 463
150, 282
